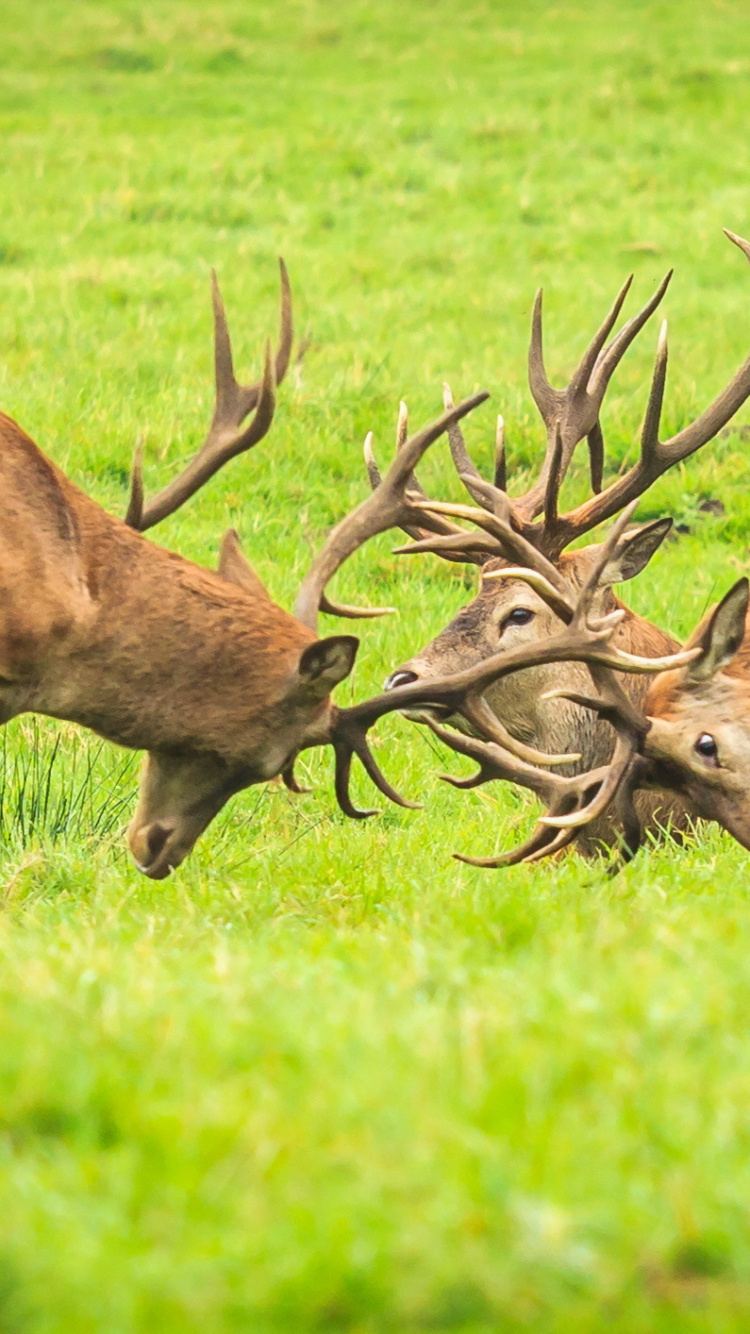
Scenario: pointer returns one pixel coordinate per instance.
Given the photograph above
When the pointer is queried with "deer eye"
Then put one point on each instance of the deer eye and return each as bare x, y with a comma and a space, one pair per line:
707, 748
520, 616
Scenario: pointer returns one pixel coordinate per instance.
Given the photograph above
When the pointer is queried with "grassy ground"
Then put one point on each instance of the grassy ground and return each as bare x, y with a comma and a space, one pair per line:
327, 1079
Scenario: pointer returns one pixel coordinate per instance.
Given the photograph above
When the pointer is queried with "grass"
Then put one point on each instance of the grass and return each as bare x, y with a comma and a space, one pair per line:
326, 1078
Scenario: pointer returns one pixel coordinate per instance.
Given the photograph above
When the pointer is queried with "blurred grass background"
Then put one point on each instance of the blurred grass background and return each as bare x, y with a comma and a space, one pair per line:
326, 1078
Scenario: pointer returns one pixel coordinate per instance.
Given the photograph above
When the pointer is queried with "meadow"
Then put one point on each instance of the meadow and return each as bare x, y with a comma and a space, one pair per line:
326, 1078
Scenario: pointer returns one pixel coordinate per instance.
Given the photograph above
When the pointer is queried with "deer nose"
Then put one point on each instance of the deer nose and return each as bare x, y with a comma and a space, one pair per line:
402, 677
148, 846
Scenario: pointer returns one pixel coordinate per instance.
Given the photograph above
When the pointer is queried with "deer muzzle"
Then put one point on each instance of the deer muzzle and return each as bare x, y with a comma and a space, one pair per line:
404, 676
158, 847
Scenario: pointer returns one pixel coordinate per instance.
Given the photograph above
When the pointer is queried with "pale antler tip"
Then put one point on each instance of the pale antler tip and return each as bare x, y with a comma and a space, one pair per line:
739, 241
510, 572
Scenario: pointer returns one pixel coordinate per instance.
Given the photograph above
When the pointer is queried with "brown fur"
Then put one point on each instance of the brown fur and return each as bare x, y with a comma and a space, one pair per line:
94, 619
556, 726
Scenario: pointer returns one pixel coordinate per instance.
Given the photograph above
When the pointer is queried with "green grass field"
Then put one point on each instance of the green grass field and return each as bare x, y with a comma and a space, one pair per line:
326, 1078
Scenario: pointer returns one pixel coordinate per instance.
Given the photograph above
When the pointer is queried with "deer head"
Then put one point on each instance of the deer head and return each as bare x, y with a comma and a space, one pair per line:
698, 739
692, 737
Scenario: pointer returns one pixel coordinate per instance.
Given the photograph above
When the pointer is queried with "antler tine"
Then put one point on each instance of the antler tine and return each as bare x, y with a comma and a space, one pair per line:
233, 403
431, 524
612, 355
348, 741
552, 402
603, 555
402, 435
507, 543
501, 467
574, 412
460, 454
546, 398
581, 377
135, 503
595, 441
387, 507
495, 762
492, 498
554, 482
470, 549
286, 328
543, 843
656, 456
556, 792
652, 419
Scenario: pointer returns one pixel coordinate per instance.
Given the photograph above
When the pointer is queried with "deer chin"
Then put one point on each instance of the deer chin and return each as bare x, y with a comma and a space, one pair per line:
158, 848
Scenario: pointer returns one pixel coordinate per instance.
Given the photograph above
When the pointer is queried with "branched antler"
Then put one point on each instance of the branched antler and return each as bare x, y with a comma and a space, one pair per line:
234, 402
389, 506
569, 416
430, 521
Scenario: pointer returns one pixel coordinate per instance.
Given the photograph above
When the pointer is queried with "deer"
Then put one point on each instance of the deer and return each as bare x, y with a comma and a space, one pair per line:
201, 669
690, 737
517, 532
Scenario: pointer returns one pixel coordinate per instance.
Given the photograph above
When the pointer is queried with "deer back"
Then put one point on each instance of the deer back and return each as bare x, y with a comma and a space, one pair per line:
45, 598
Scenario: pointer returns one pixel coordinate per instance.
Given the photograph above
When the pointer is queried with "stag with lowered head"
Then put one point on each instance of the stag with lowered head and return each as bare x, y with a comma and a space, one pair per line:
202, 669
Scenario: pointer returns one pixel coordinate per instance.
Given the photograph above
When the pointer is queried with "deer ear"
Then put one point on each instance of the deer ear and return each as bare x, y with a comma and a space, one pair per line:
326, 662
634, 551
719, 634
236, 568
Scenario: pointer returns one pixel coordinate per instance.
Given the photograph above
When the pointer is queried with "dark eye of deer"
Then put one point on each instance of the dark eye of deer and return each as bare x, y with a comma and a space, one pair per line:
707, 748
521, 616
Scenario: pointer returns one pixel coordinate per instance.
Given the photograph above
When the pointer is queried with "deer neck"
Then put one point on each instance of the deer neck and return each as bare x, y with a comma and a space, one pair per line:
159, 653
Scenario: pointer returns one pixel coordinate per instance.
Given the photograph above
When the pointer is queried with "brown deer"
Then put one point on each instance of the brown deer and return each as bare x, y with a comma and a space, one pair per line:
690, 738
201, 669
508, 613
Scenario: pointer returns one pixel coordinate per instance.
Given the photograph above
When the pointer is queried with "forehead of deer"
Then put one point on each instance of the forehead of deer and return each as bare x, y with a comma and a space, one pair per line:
574, 565
672, 696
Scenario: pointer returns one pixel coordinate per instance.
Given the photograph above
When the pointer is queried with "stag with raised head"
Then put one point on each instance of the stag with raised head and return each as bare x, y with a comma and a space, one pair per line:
523, 531
690, 737
202, 669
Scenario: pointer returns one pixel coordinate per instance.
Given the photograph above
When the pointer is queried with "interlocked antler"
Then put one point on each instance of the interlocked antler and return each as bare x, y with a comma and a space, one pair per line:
582, 640
576, 801
234, 402
569, 415
389, 506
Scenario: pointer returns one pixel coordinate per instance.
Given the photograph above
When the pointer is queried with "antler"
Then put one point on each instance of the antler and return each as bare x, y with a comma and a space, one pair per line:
389, 506
657, 455
582, 639
234, 402
431, 523
569, 415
